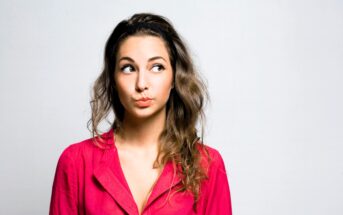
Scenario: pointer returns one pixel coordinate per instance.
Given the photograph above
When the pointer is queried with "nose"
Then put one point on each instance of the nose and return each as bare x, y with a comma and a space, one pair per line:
142, 82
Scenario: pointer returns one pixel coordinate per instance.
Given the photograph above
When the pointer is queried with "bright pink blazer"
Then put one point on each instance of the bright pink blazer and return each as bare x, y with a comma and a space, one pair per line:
89, 181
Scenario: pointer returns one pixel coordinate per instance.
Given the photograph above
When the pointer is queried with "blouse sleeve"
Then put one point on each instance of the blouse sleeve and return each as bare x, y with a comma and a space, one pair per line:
64, 189
217, 200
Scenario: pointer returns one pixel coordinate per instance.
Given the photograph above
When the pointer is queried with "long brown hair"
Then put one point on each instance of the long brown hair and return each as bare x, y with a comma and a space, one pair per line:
180, 141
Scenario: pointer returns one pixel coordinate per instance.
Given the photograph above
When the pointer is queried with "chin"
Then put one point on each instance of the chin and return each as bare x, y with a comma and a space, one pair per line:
146, 113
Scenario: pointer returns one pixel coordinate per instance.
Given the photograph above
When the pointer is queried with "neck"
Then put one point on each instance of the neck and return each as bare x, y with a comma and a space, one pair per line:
142, 132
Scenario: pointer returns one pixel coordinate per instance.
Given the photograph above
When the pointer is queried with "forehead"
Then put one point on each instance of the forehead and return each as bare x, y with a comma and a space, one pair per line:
143, 46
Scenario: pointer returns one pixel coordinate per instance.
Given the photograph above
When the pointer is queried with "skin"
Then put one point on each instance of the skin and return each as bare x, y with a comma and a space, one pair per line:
143, 71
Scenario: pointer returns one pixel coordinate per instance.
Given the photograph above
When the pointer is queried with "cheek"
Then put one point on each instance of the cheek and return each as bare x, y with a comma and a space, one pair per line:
123, 90
164, 87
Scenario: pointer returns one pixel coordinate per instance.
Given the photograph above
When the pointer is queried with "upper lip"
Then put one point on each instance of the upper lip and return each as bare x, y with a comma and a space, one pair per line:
143, 99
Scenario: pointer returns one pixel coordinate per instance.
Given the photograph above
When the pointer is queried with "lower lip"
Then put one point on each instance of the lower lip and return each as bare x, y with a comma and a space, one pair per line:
143, 103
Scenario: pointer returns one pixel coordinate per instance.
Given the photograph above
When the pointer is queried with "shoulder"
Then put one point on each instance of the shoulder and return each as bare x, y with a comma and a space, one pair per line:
213, 164
81, 152
75, 149
73, 152
215, 192
90, 145
210, 155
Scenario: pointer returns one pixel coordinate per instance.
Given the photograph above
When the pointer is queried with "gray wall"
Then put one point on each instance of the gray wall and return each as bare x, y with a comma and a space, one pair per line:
274, 71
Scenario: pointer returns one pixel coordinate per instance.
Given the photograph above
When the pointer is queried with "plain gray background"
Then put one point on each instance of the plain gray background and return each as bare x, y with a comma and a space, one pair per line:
274, 71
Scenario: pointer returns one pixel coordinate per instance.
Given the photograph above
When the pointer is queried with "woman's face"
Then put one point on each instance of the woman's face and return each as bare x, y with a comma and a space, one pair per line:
143, 76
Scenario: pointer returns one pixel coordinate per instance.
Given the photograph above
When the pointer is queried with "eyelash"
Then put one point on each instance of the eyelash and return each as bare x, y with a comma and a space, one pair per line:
127, 66
160, 68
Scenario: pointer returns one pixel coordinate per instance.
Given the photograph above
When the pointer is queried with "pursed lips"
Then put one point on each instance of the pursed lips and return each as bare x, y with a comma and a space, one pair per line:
144, 99
143, 102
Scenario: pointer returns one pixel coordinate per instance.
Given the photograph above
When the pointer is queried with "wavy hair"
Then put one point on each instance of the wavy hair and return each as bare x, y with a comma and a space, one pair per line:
179, 141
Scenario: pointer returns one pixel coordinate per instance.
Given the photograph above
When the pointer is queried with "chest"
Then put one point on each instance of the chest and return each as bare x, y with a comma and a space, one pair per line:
140, 176
109, 192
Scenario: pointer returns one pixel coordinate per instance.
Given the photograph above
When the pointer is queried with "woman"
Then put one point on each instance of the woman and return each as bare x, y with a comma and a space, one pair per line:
151, 161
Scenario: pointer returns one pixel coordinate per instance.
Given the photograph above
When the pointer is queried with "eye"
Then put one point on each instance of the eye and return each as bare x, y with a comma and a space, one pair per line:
158, 68
127, 68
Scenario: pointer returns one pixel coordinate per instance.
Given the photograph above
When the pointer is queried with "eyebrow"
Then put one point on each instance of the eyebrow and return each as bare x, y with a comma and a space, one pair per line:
150, 59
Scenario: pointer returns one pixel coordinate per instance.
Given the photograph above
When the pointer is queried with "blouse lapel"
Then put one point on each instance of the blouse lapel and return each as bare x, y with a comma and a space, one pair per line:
107, 173
167, 180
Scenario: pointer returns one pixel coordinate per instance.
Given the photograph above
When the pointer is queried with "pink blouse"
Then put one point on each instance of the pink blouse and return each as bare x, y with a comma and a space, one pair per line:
89, 181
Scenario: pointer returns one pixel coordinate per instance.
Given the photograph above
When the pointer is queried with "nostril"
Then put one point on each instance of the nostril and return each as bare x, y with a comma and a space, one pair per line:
141, 85
141, 88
